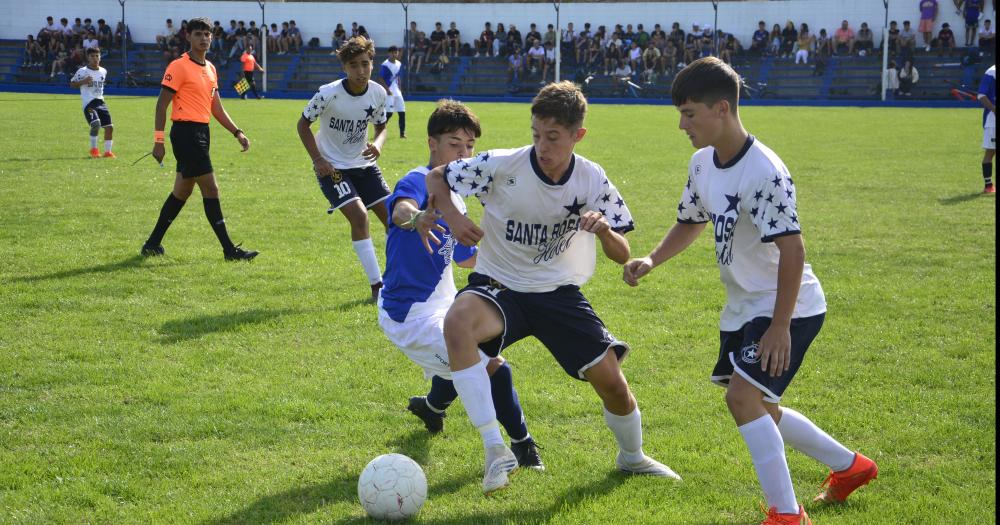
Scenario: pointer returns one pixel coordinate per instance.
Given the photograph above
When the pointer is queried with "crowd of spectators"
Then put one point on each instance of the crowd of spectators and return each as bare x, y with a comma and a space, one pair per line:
60, 48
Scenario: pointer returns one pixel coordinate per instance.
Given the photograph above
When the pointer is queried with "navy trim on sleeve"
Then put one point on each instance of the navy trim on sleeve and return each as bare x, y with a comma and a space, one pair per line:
624, 229
685, 221
771, 238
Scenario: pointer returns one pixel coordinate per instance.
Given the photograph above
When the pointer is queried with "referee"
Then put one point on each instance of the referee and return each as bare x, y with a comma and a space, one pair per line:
190, 83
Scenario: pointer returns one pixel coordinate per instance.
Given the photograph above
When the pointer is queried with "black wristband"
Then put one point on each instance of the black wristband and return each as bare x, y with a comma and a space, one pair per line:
237, 132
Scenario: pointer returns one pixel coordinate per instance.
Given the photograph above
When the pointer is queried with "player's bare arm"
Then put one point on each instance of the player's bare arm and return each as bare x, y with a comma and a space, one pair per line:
680, 236
439, 197
776, 343
220, 115
407, 215
321, 166
983, 99
374, 149
160, 121
614, 244
86, 81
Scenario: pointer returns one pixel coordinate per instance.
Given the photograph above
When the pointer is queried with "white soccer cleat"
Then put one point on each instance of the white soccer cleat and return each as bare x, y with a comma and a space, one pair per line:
647, 466
500, 461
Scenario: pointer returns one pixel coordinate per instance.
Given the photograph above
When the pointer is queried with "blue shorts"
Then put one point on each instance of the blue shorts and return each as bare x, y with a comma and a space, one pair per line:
97, 111
562, 320
352, 184
738, 352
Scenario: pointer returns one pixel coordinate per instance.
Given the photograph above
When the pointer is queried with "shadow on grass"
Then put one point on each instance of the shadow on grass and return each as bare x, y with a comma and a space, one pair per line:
195, 327
350, 305
959, 199
416, 445
134, 261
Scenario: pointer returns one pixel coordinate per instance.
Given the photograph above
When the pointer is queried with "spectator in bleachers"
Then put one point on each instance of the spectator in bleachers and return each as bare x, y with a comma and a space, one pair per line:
987, 38
758, 42
550, 36
253, 35
356, 30
890, 82
536, 56
641, 36
907, 41
274, 39
231, 34
104, 33
634, 56
515, 66
240, 39
454, 39
593, 56
66, 32
972, 10
651, 63
658, 32
166, 34
550, 61
707, 41
622, 73
295, 36
500, 41
788, 37
804, 44
824, 50
77, 29
945, 40
692, 49
677, 35
420, 52
774, 41
438, 38
864, 43
568, 41
217, 47
67, 61
628, 37
843, 39
893, 38
89, 41
48, 32
514, 38
338, 38
583, 39
613, 53
730, 48
88, 26
908, 76
363, 32
123, 35
532, 35
928, 12
484, 44
669, 58
33, 54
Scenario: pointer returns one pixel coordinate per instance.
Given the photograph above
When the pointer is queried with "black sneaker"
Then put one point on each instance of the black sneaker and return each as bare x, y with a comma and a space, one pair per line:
432, 420
527, 454
149, 250
239, 254
375, 291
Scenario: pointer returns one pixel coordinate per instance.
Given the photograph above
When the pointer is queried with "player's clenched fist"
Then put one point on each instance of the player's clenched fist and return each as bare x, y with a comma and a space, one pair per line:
637, 269
594, 222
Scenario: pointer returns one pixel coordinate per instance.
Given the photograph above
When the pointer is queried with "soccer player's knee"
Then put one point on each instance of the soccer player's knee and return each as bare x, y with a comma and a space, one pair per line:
738, 400
95, 126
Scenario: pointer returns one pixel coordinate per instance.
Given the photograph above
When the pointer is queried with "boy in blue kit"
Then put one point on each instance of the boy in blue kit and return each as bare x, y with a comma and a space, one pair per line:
775, 305
418, 287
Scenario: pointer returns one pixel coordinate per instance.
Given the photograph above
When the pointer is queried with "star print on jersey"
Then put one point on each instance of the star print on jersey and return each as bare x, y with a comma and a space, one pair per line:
574, 209
776, 214
370, 112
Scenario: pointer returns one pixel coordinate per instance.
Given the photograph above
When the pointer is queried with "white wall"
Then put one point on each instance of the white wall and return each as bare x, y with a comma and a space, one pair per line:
385, 22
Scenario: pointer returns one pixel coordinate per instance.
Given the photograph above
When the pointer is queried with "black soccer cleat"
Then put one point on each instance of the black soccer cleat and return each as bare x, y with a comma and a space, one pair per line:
239, 254
433, 421
527, 454
149, 250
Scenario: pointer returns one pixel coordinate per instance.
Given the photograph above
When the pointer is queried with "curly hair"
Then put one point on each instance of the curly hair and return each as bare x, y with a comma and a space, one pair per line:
354, 47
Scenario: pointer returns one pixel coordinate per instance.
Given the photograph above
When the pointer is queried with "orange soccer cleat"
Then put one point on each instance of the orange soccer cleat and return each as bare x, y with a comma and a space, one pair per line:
989, 189
94, 153
109, 155
776, 518
839, 485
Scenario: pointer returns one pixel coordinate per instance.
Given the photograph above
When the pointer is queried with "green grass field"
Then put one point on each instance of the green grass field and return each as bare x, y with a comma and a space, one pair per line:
190, 390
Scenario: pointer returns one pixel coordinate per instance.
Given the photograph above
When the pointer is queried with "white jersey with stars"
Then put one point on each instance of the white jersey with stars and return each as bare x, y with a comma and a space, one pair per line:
750, 201
96, 89
344, 118
531, 241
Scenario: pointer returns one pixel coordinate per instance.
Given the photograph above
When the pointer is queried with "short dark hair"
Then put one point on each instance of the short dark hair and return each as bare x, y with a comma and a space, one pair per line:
707, 80
452, 115
356, 46
94, 50
393, 49
199, 23
562, 102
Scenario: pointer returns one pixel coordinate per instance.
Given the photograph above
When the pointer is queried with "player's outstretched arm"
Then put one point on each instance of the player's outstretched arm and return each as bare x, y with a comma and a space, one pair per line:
680, 236
220, 114
160, 122
439, 197
407, 215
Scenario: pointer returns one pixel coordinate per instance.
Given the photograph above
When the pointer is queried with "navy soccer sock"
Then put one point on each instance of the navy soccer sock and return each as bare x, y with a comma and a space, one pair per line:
507, 405
171, 207
442, 394
213, 211
988, 173
402, 123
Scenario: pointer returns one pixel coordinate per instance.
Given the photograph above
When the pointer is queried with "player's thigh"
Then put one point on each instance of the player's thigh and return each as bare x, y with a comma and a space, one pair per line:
208, 185
607, 378
355, 213
183, 186
474, 317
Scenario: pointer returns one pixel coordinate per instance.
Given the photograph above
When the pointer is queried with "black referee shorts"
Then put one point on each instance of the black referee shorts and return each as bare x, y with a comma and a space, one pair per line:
190, 142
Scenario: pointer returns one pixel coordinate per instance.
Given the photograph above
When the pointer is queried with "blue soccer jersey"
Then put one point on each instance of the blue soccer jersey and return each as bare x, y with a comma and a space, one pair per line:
416, 283
988, 89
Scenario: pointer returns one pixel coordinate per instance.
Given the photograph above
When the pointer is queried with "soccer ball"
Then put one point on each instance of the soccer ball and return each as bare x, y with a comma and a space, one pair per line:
392, 487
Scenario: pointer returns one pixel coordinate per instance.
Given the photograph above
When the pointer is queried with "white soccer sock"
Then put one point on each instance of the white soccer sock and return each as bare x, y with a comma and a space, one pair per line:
473, 387
107, 145
768, 453
803, 435
366, 254
628, 432
93, 141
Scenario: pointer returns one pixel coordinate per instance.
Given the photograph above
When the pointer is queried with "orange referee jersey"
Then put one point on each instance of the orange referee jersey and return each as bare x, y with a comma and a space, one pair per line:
249, 62
194, 87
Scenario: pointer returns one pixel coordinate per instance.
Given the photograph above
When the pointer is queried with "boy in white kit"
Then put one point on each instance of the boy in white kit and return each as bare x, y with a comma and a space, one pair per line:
775, 304
394, 95
90, 79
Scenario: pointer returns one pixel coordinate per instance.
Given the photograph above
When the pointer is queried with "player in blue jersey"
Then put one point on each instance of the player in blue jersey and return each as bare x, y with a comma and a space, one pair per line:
418, 287
988, 98
775, 304
545, 210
